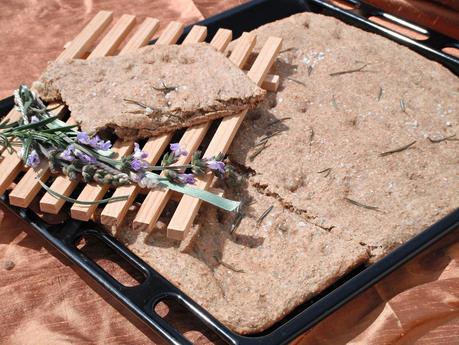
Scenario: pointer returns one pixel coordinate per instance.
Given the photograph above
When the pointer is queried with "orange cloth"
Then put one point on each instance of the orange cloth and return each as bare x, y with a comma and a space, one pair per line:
47, 301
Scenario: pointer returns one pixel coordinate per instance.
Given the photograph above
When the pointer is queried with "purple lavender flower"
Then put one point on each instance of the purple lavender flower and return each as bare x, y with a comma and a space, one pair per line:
136, 177
34, 119
83, 138
177, 150
33, 159
216, 165
187, 178
137, 164
86, 159
138, 153
67, 154
97, 143
105, 145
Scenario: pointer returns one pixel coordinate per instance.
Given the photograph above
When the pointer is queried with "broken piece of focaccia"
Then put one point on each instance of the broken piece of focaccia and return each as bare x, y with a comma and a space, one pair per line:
154, 90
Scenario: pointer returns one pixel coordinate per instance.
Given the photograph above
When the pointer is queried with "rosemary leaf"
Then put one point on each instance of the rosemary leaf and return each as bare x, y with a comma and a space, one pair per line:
59, 129
359, 204
231, 267
311, 135
33, 125
26, 145
258, 151
296, 81
326, 171
334, 74
278, 121
264, 214
402, 105
380, 93
398, 149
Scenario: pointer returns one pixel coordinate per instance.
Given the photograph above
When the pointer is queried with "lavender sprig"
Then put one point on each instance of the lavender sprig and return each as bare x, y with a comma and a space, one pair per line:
81, 156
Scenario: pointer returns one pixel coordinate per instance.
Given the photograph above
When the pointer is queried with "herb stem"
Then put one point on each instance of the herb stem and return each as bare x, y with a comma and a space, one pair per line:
277, 121
326, 171
231, 267
297, 81
359, 204
380, 93
334, 74
403, 148
264, 214
402, 105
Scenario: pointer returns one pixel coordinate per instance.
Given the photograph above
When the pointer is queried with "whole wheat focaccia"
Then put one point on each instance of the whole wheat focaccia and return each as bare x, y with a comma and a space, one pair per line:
363, 130
154, 90
252, 277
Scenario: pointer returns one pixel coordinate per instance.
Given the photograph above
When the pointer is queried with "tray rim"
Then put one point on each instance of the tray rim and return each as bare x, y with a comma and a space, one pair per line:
284, 333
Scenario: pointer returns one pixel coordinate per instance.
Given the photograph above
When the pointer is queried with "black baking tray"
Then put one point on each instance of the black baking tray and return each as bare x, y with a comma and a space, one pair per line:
141, 299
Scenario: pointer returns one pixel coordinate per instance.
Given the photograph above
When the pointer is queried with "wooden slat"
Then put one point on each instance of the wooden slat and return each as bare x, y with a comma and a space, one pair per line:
113, 215
114, 37
80, 44
197, 33
143, 34
265, 60
12, 163
271, 82
62, 184
29, 183
171, 34
244, 47
221, 39
95, 192
188, 207
10, 167
156, 200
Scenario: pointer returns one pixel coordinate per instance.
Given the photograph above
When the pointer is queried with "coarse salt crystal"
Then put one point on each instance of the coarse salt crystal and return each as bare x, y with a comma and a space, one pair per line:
412, 124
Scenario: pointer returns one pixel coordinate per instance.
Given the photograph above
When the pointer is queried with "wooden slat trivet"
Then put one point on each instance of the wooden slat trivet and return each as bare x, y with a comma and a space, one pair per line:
113, 214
